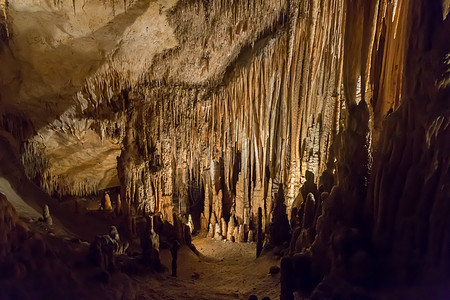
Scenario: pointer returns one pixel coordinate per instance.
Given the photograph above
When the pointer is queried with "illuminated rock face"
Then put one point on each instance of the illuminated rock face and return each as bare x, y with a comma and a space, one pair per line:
211, 107
269, 113
64, 65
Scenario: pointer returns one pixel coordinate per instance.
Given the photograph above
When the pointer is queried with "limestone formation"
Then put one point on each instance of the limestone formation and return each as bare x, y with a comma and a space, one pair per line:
326, 180
295, 236
231, 228
217, 232
223, 224
241, 238
150, 246
103, 249
187, 236
213, 220
203, 223
190, 224
27, 257
259, 233
211, 230
295, 219
153, 235
131, 224
279, 228
236, 234
46, 215
309, 186
304, 240
106, 202
251, 236
114, 234
217, 204
207, 209
309, 212
118, 207
179, 229
307, 121
322, 198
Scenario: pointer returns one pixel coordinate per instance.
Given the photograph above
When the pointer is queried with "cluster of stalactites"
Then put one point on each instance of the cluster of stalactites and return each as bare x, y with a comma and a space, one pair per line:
65, 185
219, 31
100, 107
4, 28
408, 201
33, 158
19, 126
399, 208
279, 111
36, 166
104, 94
162, 137
39, 168
250, 117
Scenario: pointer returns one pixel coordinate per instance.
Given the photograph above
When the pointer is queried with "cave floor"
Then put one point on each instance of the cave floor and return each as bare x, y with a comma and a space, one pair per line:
223, 270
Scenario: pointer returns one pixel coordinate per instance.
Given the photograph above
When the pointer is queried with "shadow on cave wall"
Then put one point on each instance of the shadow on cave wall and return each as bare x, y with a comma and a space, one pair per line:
23, 126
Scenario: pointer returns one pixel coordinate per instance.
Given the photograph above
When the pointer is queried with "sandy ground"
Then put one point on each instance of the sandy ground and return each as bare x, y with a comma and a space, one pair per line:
225, 271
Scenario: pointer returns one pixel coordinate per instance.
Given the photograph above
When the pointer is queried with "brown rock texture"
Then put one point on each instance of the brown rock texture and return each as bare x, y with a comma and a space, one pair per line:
212, 108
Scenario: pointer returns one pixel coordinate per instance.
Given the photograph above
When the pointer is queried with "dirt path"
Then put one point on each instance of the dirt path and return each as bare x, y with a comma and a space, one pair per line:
225, 271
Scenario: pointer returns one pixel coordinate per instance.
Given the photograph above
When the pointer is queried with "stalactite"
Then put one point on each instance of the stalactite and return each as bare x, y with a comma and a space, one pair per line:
247, 115
252, 95
4, 8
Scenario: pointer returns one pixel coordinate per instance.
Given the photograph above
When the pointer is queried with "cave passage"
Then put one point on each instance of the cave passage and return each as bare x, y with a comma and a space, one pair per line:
276, 149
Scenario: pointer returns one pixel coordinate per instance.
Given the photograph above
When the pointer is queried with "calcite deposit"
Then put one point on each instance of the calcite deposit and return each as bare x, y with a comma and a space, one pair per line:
323, 125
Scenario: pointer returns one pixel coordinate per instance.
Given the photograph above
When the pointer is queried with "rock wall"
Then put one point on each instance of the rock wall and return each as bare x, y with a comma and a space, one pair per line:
271, 114
384, 221
410, 187
65, 67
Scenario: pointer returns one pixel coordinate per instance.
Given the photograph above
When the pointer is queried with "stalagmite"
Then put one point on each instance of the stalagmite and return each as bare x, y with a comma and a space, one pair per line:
240, 199
326, 180
251, 236
211, 230
203, 222
105, 203
231, 229
223, 228
259, 233
309, 213
207, 210
279, 228
236, 234
217, 202
46, 215
154, 235
217, 232
321, 126
213, 220
118, 207
150, 246
190, 224
241, 238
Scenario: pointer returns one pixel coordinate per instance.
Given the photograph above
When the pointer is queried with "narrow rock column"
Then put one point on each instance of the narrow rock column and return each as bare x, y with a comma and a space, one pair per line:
46, 215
